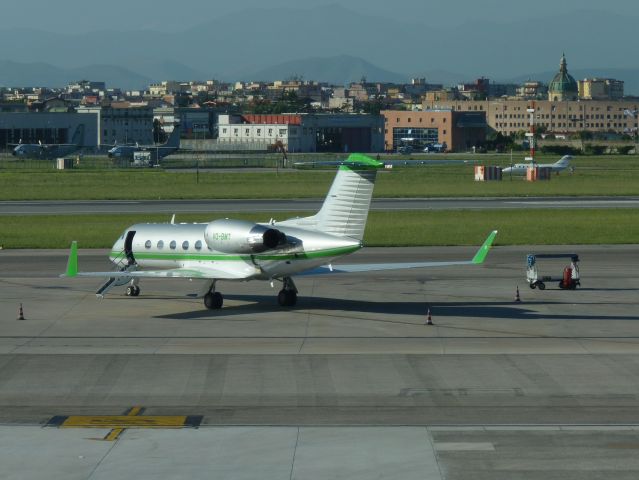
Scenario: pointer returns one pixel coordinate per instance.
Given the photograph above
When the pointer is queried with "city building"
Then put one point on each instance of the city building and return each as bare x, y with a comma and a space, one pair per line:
121, 123
601, 89
565, 117
460, 131
304, 132
532, 90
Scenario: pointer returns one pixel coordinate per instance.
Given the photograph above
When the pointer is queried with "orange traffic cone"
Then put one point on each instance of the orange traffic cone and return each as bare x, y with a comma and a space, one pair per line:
20, 313
429, 319
517, 298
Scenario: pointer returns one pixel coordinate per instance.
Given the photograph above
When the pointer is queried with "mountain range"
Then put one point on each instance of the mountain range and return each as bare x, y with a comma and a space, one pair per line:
328, 43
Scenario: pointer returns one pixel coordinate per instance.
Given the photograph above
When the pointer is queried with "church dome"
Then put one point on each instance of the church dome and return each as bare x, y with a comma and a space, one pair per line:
563, 85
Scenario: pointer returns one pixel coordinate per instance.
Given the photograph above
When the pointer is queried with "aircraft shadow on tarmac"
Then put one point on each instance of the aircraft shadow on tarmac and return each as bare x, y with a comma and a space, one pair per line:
259, 304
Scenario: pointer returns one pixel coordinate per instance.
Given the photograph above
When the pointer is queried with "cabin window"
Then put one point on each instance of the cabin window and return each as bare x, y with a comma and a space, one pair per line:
185, 245
198, 245
160, 245
172, 245
147, 244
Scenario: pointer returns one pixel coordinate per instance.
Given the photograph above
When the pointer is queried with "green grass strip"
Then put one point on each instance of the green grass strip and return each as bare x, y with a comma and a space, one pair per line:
592, 176
396, 228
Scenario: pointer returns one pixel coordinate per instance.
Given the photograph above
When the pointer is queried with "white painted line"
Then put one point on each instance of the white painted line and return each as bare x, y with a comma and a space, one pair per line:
465, 447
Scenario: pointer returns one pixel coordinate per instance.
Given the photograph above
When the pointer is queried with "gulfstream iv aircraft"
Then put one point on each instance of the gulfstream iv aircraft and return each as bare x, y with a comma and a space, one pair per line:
521, 168
238, 250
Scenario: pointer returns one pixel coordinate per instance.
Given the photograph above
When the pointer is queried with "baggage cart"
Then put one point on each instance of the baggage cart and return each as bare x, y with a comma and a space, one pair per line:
568, 280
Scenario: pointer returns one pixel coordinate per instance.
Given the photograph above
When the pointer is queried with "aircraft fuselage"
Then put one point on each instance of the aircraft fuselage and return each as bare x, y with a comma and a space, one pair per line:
164, 246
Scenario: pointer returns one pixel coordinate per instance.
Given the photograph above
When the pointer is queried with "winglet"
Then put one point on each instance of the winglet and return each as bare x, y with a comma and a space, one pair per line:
72, 263
481, 254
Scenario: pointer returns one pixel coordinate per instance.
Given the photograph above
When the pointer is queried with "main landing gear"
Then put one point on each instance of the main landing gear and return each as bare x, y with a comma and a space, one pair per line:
213, 300
133, 290
287, 297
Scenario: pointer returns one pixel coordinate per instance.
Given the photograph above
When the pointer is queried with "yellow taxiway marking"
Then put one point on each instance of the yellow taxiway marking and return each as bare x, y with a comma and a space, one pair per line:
132, 418
123, 421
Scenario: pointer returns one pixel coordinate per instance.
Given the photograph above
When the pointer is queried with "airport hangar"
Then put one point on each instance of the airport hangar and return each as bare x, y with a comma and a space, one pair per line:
102, 126
46, 127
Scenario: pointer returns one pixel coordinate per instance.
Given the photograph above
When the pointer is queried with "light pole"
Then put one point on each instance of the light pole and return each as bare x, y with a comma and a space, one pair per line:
634, 115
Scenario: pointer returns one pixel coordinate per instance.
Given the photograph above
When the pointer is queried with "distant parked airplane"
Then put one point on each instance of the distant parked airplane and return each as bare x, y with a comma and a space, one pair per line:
521, 168
156, 152
50, 151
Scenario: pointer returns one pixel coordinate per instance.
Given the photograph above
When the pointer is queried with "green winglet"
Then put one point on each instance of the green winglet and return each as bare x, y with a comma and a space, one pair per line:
72, 263
482, 253
361, 160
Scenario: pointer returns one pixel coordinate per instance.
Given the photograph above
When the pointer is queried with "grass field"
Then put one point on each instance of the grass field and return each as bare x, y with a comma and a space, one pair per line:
614, 175
397, 228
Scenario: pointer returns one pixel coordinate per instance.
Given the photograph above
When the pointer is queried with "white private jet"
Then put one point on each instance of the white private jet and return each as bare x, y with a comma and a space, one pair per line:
522, 168
238, 250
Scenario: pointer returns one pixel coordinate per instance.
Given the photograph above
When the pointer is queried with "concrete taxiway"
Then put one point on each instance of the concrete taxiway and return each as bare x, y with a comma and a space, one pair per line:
72, 207
350, 383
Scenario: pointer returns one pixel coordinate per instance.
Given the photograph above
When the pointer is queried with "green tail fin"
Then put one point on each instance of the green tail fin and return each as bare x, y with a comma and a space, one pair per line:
481, 254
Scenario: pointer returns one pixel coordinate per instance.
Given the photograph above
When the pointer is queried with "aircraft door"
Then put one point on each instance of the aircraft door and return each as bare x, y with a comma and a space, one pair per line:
128, 247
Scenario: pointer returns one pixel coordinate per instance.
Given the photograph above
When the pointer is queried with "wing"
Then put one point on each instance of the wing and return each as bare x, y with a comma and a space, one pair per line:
386, 163
478, 259
193, 272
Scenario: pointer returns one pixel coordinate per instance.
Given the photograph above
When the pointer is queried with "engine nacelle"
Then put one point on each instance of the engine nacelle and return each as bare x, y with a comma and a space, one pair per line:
240, 236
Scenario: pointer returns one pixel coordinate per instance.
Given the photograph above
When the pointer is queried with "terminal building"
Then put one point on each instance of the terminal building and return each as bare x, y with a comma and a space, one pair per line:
304, 132
460, 131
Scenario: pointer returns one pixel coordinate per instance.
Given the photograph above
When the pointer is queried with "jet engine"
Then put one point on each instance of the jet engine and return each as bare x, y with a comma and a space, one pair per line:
240, 236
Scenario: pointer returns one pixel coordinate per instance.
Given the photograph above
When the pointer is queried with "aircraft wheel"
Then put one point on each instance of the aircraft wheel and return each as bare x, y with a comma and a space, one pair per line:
533, 286
541, 285
130, 291
213, 300
291, 298
287, 298
136, 291
281, 298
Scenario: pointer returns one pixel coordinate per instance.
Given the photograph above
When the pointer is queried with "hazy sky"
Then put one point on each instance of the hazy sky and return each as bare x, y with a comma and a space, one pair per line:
86, 15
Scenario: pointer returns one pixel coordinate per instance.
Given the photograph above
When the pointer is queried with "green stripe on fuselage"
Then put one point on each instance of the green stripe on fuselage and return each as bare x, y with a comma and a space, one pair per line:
220, 257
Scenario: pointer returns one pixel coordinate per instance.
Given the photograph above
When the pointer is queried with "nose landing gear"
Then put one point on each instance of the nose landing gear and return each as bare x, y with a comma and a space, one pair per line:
132, 291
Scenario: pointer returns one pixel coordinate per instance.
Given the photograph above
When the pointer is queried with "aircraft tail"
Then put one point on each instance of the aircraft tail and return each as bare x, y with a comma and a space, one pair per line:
564, 161
174, 139
345, 209
78, 136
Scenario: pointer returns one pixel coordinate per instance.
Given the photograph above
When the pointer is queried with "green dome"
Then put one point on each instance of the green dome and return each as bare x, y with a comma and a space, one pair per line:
563, 83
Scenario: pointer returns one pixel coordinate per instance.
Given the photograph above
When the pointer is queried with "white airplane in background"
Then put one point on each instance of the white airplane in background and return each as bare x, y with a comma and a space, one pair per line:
239, 250
521, 168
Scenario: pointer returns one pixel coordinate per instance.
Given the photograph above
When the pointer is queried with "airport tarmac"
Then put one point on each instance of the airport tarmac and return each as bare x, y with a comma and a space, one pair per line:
73, 207
350, 383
